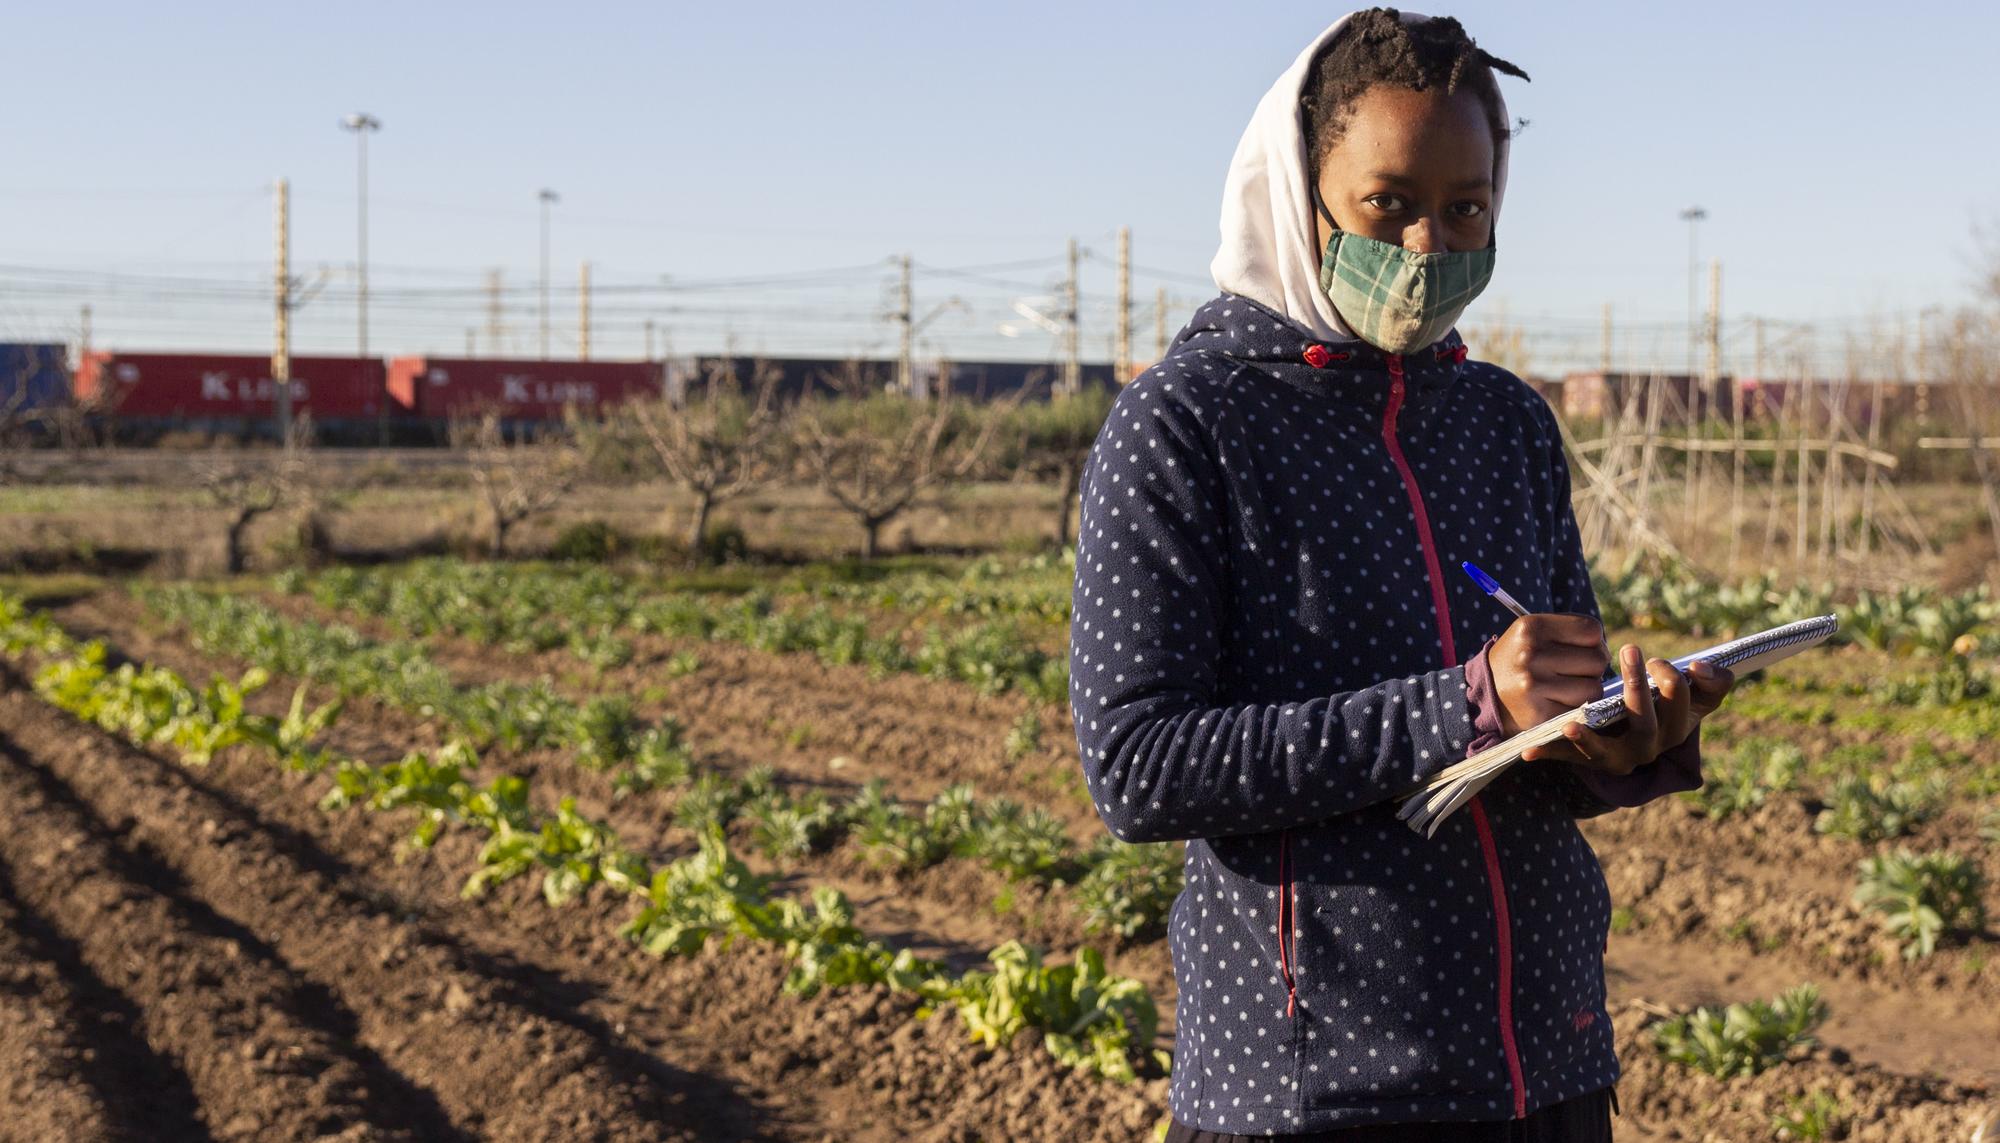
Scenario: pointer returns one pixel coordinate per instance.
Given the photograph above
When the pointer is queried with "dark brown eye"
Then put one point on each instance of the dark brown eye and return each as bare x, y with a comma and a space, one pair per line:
1387, 203
1468, 209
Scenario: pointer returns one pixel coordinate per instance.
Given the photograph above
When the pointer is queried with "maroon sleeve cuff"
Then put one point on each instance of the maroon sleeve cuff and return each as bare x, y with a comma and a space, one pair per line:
1677, 768
1482, 700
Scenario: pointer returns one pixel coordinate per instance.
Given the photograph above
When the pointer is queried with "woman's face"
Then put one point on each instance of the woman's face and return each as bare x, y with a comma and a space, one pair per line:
1414, 168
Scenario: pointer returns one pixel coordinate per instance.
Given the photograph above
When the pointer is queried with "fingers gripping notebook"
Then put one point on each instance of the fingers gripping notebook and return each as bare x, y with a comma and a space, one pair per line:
1427, 806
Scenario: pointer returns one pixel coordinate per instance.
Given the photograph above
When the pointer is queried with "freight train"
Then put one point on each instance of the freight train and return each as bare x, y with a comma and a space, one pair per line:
140, 397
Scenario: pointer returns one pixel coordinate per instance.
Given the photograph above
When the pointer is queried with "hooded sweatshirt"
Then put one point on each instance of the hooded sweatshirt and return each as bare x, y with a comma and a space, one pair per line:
1266, 650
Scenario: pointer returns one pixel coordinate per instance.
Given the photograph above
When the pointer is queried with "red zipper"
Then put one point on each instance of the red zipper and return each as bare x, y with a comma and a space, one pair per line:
1417, 505
1479, 822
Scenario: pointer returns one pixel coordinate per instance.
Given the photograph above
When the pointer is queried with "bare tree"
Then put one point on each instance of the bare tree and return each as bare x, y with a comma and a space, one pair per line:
247, 485
875, 452
23, 404
718, 444
516, 480
1051, 440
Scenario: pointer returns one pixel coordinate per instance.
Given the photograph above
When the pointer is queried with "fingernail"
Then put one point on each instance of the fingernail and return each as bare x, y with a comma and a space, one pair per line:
1702, 669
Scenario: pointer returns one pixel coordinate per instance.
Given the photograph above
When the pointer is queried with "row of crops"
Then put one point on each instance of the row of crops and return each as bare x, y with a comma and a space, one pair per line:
1087, 1017
543, 606
1119, 888
1922, 897
711, 897
593, 612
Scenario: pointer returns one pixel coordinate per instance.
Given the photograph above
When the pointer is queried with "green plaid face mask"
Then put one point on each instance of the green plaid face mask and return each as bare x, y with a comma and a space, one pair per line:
1394, 299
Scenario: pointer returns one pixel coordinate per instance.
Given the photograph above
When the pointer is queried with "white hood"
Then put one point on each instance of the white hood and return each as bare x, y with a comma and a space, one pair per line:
1269, 253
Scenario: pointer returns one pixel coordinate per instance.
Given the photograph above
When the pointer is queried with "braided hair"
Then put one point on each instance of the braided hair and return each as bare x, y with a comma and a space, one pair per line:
1378, 47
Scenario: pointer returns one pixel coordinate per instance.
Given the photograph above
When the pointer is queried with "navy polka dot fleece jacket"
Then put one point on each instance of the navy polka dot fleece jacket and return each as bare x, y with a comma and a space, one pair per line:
1266, 649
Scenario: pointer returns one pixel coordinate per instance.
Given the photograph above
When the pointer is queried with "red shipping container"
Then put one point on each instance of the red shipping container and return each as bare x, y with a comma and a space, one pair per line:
194, 386
519, 390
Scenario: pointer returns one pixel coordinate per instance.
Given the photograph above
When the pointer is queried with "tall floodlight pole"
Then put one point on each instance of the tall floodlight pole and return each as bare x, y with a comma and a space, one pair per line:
548, 198
362, 123
1692, 216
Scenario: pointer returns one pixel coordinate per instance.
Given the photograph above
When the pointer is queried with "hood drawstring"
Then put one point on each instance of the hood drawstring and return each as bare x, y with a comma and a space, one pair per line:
1287, 954
1319, 356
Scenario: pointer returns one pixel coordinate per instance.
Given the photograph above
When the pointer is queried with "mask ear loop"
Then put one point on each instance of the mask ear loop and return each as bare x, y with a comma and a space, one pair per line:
1320, 205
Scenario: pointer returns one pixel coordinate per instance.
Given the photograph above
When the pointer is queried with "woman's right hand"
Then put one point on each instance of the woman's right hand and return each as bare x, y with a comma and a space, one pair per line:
1546, 664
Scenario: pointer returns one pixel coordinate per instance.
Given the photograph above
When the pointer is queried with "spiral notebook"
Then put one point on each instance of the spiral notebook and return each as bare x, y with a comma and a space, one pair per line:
1427, 806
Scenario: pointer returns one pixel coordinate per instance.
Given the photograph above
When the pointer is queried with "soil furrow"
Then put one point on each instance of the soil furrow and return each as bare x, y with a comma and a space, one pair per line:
236, 1020
502, 1046
73, 1056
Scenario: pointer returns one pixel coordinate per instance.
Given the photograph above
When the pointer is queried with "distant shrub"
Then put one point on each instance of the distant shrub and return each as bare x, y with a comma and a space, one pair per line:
723, 544
1026, 844
590, 541
1957, 681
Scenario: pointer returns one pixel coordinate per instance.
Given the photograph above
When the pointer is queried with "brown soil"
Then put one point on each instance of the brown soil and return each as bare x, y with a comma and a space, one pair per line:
497, 1017
1768, 884
791, 1067
1670, 1102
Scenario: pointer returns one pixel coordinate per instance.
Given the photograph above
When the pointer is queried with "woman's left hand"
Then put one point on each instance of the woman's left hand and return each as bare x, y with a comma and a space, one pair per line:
1649, 727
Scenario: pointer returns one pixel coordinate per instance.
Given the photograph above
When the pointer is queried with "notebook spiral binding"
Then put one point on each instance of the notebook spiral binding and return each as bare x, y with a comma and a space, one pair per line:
1611, 707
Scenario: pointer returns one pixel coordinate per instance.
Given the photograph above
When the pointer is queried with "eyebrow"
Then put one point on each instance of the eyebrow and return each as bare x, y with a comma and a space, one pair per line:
1482, 183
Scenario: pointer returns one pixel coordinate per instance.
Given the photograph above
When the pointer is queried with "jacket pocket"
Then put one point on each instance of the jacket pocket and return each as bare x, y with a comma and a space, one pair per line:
1398, 980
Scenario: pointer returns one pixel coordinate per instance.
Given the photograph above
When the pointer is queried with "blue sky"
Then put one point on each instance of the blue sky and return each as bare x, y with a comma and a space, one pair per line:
1844, 154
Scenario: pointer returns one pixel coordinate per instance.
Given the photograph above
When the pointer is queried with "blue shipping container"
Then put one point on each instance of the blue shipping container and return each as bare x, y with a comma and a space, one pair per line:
33, 378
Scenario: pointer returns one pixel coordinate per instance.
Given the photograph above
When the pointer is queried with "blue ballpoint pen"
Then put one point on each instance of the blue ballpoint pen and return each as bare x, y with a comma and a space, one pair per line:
1615, 681
1486, 583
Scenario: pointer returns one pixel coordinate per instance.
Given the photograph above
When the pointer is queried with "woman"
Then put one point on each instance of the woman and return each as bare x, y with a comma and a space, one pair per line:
1266, 645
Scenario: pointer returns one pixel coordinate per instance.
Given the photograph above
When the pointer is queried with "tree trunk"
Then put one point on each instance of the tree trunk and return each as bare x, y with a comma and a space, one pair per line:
232, 549
497, 543
704, 503
872, 528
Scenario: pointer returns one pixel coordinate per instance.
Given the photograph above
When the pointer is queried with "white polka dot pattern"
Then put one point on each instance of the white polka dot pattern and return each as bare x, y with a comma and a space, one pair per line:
1255, 650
